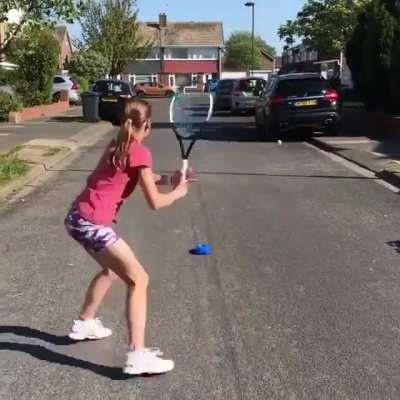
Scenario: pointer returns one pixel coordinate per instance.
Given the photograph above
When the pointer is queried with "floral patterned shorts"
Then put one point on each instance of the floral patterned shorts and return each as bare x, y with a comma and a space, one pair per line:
91, 236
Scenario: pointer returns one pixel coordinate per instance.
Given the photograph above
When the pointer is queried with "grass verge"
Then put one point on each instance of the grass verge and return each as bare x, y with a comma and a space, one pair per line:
11, 167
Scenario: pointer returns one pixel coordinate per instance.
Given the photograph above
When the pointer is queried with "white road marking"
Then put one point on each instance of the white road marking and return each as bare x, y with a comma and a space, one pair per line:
5, 134
355, 168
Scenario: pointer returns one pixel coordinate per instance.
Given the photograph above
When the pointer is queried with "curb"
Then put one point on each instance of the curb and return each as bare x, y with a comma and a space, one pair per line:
388, 176
86, 137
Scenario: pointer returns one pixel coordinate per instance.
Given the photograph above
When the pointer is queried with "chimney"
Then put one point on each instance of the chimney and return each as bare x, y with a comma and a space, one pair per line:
162, 20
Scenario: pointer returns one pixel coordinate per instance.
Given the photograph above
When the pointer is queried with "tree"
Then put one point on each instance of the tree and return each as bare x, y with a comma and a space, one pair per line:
89, 64
323, 25
239, 50
110, 27
36, 52
32, 12
373, 55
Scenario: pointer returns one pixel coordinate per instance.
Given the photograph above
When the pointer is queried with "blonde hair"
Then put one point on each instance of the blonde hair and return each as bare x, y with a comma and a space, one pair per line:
136, 113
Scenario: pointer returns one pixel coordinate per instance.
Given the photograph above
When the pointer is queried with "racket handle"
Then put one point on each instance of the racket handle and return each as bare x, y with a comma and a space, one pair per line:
185, 166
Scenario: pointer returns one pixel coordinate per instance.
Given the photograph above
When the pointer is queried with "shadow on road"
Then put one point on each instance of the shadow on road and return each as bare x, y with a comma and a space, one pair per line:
44, 354
67, 118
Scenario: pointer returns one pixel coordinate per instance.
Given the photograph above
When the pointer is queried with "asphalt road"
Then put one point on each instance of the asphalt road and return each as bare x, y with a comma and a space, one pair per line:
300, 299
59, 127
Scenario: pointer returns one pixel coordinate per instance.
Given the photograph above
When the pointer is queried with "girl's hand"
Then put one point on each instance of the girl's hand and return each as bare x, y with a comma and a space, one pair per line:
190, 177
161, 180
181, 189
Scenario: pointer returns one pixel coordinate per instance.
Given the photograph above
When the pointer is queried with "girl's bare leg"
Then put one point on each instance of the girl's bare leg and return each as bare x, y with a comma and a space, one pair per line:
122, 261
96, 292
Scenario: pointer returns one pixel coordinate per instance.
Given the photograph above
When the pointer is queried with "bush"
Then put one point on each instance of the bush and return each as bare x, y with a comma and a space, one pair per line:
83, 82
7, 77
373, 54
36, 53
8, 103
89, 64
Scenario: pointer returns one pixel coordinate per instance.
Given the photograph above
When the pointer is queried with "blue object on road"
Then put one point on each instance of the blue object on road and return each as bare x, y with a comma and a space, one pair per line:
202, 249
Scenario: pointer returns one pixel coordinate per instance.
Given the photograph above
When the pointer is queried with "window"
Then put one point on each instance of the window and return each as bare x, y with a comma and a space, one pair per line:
177, 53
302, 87
205, 53
58, 79
145, 78
153, 54
183, 80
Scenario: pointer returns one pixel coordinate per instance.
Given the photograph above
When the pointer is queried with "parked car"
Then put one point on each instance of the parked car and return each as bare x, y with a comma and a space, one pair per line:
64, 82
211, 85
112, 95
296, 101
154, 89
223, 94
245, 93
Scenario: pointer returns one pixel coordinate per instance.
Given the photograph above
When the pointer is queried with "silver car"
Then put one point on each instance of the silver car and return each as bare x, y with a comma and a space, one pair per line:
245, 93
64, 82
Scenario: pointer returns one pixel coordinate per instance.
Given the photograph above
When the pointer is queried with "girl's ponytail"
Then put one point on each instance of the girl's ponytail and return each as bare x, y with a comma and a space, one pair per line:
136, 113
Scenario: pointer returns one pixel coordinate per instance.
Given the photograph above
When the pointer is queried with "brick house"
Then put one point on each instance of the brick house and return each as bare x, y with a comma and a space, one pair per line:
183, 54
66, 47
303, 59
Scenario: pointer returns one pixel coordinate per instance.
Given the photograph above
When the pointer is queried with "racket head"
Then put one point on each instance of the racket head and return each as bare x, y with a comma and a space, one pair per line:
189, 112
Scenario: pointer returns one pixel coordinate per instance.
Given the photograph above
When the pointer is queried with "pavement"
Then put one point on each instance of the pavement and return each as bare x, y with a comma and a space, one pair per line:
46, 142
370, 142
300, 299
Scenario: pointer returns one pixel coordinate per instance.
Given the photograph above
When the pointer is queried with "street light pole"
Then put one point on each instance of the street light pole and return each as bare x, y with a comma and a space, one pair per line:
252, 5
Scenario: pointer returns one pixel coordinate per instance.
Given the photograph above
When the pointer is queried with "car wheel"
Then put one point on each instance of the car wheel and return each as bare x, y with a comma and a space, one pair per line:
56, 97
271, 132
170, 93
259, 125
333, 130
140, 94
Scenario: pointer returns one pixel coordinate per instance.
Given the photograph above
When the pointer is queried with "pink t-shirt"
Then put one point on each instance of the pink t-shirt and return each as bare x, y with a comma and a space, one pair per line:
108, 187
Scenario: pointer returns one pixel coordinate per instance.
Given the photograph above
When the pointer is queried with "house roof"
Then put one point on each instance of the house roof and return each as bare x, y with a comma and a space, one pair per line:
184, 33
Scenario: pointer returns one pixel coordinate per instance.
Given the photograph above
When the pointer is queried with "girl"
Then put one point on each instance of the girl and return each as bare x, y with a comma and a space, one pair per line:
125, 163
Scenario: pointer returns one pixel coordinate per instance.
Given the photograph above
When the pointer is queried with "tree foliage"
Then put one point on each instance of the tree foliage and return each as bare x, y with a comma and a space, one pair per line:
110, 27
239, 50
36, 53
34, 12
323, 25
373, 55
89, 64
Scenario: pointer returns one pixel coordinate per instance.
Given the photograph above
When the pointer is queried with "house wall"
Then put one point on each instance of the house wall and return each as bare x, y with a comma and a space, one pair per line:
65, 52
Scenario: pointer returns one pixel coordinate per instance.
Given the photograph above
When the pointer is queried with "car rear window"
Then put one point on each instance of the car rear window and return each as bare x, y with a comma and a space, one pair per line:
302, 87
114, 87
225, 85
247, 85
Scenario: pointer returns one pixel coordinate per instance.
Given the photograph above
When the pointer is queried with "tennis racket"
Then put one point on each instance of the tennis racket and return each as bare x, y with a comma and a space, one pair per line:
188, 113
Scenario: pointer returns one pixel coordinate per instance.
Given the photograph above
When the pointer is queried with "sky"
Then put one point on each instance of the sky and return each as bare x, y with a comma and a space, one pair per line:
269, 14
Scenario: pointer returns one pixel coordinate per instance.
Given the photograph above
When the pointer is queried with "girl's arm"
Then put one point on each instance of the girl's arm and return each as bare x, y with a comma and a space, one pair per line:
155, 199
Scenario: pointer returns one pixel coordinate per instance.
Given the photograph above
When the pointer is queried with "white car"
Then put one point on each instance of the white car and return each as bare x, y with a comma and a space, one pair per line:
64, 82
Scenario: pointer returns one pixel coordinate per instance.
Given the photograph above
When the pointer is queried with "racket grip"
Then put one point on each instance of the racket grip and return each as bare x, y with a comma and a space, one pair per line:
185, 166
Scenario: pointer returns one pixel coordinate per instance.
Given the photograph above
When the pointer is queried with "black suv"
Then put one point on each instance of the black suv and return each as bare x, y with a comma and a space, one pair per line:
113, 94
298, 101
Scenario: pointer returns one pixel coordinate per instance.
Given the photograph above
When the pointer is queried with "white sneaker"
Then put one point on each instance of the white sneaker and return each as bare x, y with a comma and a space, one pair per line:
147, 361
89, 329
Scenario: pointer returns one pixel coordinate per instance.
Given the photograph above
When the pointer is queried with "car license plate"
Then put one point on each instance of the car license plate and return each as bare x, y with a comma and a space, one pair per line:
109, 99
306, 103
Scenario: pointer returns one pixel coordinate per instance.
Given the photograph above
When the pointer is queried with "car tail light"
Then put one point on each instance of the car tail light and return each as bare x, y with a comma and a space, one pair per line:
125, 96
276, 100
75, 86
332, 95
